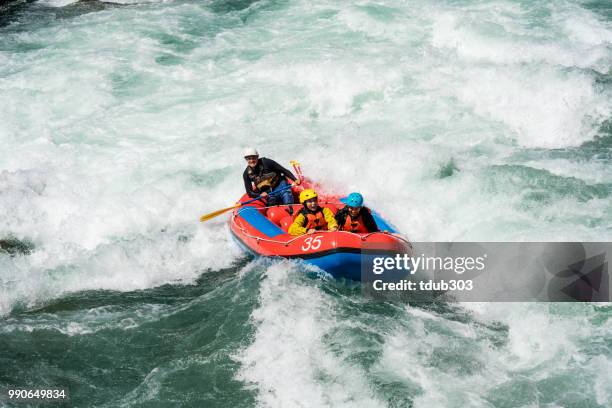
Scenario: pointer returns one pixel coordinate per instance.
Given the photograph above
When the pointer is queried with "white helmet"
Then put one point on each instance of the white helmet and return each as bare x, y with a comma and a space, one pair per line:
250, 151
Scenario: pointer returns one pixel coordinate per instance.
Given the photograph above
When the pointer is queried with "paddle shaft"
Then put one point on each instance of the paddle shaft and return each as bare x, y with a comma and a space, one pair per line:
214, 214
260, 197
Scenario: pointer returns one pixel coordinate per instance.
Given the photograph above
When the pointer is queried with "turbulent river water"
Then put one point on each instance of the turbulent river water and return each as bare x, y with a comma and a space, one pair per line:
464, 120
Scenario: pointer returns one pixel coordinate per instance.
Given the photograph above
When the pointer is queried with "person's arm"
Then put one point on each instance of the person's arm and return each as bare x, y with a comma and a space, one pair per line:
340, 218
329, 217
297, 227
274, 166
248, 186
368, 220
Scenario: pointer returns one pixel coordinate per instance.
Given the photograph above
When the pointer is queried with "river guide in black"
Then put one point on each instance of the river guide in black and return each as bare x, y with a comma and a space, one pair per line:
263, 176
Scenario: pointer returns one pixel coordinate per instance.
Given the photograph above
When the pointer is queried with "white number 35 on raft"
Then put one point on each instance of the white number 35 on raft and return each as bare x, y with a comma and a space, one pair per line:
311, 243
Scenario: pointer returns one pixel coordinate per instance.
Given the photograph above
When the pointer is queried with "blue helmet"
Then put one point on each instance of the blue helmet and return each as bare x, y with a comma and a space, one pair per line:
354, 200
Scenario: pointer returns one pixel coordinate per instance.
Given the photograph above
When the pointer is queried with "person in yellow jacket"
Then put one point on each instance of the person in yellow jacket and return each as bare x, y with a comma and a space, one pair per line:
312, 218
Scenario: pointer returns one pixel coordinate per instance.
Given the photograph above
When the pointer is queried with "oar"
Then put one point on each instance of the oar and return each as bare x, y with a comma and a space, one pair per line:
213, 214
298, 169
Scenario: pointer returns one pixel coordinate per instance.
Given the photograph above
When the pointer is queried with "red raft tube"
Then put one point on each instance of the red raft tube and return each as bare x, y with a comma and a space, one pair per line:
262, 231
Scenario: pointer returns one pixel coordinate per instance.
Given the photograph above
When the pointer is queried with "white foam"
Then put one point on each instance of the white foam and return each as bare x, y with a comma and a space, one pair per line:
87, 322
375, 100
602, 367
136, 1
519, 76
290, 362
510, 45
543, 341
591, 172
538, 338
543, 108
64, 3
121, 245
406, 359
57, 3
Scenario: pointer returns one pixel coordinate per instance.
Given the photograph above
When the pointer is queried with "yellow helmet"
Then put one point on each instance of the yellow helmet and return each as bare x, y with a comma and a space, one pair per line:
307, 195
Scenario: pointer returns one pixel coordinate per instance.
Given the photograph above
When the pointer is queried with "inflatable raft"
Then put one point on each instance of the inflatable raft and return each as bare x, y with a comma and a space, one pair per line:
262, 231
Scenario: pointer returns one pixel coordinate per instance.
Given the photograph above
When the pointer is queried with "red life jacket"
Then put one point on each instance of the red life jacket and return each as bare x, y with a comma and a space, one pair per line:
354, 225
314, 221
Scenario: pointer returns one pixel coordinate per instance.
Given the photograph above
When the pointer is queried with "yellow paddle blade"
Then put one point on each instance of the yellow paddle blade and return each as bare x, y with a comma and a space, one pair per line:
213, 214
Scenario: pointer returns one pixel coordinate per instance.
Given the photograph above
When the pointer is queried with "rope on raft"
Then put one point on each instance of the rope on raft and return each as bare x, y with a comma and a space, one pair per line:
287, 243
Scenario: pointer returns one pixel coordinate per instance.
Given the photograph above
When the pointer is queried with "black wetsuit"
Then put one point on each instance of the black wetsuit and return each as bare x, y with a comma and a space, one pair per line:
264, 166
